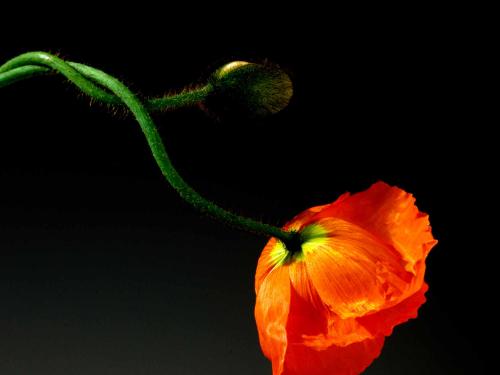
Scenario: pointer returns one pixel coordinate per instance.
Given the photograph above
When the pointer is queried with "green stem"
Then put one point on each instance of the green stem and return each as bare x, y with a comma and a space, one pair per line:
41, 63
21, 73
184, 99
120, 91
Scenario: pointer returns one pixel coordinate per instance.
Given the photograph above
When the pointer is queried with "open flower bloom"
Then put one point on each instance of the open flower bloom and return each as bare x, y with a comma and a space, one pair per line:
326, 307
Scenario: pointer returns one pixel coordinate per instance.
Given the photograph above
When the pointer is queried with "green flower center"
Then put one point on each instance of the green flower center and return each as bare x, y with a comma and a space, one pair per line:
301, 243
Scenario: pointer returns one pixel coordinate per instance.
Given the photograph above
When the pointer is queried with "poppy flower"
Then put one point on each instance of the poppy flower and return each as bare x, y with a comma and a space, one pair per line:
325, 306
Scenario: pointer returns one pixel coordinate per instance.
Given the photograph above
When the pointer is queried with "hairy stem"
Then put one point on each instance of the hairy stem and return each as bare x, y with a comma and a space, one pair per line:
41, 63
106, 88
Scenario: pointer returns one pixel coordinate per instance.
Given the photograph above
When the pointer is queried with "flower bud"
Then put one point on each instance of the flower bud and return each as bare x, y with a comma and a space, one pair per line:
247, 89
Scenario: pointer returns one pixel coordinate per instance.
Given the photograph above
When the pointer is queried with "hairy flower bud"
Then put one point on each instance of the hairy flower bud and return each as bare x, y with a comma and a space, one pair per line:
247, 89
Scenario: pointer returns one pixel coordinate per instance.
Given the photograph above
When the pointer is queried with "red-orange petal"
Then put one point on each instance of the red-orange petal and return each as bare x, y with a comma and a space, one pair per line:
271, 315
311, 349
390, 214
384, 321
265, 264
354, 273
335, 360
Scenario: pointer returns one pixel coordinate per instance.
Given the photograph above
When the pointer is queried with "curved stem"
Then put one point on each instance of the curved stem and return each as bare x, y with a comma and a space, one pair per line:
40, 63
21, 73
55, 63
118, 90
160, 154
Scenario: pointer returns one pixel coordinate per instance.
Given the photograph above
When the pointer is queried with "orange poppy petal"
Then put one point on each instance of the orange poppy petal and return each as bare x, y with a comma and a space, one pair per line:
353, 272
304, 217
336, 360
312, 324
384, 321
265, 264
271, 314
308, 316
390, 214
303, 286
311, 347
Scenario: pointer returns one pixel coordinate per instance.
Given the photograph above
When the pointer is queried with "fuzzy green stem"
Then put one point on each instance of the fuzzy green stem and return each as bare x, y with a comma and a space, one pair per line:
160, 154
21, 73
41, 63
119, 90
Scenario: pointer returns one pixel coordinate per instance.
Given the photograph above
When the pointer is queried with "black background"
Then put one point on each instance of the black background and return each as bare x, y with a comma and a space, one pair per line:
104, 270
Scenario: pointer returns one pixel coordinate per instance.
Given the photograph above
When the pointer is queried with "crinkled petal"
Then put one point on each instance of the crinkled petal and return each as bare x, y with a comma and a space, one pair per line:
335, 360
390, 214
271, 314
313, 324
317, 341
384, 321
353, 272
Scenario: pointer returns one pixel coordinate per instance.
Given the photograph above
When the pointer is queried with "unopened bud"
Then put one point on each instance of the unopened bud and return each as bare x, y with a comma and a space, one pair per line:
248, 89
